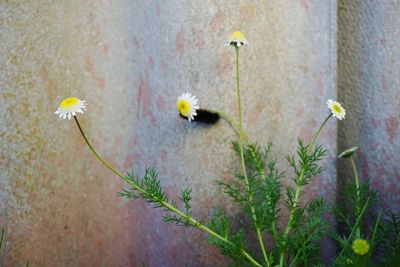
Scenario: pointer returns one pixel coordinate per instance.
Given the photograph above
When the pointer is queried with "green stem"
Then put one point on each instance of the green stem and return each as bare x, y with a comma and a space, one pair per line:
357, 223
358, 196
249, 191
165, 204
374, 232
1, 239
314, 139
229, 119
298, 191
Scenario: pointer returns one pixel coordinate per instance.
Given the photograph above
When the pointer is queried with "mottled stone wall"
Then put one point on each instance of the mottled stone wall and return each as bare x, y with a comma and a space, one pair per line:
58, 205
130, 60
369, 86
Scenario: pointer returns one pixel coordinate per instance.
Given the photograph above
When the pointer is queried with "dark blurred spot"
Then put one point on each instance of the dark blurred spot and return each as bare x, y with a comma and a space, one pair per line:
204, 116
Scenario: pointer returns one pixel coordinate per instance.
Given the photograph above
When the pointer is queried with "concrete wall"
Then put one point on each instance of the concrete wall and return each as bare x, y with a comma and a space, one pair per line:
130, 60
369, 86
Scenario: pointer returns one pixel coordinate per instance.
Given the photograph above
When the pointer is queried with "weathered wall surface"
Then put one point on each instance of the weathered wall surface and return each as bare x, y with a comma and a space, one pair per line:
58, 205
130, 60
369, 85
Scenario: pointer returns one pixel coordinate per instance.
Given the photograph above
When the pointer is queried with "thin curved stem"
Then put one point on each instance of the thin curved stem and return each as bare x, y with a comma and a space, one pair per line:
314, 139
251, 197
227, 117
1, 239
358, 193
356, 224
231, 121
165, 204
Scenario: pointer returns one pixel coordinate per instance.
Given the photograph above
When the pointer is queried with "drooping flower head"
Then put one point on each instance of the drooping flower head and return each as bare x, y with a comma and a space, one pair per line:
187, 105
70, 106
360, 246
237, 39
348, 153
336, 109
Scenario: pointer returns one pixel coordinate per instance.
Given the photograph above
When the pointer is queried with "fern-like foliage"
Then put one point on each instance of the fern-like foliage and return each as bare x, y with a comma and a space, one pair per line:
304, 168
307, 164
264, 184
219, 223
149, 188
312, 226
388, 241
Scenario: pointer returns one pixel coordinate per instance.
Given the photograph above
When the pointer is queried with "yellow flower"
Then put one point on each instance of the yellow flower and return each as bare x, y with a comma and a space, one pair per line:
237, 39
70, 106
360, 246
187, 105
337, 110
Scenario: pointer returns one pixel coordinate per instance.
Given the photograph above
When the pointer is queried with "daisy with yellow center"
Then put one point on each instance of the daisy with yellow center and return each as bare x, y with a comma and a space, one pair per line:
336, 109
187, 106
237, 39
70, 106
360, 247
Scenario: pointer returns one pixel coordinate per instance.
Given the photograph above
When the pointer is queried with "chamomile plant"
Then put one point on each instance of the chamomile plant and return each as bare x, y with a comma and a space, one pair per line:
256, 187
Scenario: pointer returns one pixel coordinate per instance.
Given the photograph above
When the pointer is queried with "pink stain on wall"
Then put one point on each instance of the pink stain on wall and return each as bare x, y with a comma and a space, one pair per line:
139, 96
217, 21
160, 103
376, 123
224, 65
257, 110
106, 50
130, 160
320, 81
164, 155
365, 169
305, 4
89, 67
200, 39
392, 128
125, 44
180, 43
384, 83
164, 67
144, 101
158, 10
246, 12
50, 85
136, 42
308, 130
151, 62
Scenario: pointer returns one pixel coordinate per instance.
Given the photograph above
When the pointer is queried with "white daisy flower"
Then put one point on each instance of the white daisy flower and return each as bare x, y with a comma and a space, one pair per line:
237, 39
337, 110
187, 105
70, 106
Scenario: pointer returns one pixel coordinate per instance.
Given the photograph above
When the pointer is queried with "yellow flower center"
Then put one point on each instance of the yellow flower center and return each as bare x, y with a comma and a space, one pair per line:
183, 106
237, 36
69, 102
360, 246
336, 108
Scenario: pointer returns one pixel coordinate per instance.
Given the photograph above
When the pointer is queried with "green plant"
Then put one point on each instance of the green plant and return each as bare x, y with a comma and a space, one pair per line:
257, 189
